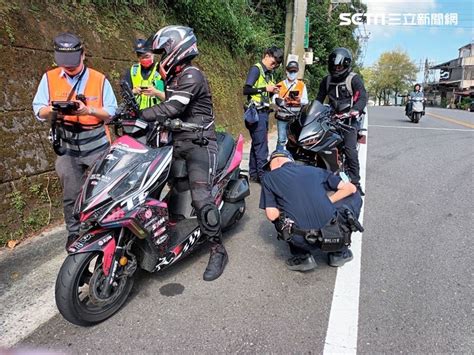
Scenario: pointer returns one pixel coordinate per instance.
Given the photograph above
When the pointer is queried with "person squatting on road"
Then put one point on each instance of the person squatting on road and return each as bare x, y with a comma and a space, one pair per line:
259, 86
81, 137
188, 97
144, 78
293, 92
346, 93
295, 198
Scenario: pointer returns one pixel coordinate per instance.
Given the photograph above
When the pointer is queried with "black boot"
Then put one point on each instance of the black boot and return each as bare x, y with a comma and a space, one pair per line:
217, 262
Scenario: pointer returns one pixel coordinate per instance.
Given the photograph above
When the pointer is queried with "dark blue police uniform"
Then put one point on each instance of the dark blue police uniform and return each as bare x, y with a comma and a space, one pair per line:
300, 191
258, 130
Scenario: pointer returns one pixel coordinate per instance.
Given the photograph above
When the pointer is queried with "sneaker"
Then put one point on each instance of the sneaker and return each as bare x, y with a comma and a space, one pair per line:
339, 258
301, 263
217, 262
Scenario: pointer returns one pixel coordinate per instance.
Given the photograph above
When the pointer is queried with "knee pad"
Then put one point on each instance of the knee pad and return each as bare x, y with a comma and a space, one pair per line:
209, 220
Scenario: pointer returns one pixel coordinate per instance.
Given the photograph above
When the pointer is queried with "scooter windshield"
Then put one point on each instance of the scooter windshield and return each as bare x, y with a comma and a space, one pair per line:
119, 171
314, 112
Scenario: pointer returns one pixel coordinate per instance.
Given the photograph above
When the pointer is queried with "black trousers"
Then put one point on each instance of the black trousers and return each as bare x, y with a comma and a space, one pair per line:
352, 155
201, 164
299, 246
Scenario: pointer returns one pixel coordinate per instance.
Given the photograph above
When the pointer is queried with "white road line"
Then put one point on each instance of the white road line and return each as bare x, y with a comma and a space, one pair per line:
341, 336
428, 128
29, 303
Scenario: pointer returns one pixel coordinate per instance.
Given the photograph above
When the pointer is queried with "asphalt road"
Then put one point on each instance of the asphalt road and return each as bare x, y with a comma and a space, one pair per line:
416, 275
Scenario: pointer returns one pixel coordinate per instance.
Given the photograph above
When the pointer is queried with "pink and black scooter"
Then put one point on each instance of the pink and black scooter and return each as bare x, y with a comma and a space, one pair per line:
129, 220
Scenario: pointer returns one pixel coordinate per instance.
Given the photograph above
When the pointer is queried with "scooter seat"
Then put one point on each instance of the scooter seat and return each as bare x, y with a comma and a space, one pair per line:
225, 144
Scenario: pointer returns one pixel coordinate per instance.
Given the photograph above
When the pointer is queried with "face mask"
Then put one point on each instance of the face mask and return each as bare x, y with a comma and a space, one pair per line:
291, 76
146, 62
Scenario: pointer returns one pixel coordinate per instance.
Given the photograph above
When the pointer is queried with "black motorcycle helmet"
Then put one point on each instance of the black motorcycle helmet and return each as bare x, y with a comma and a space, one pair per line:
177, 44
340, 62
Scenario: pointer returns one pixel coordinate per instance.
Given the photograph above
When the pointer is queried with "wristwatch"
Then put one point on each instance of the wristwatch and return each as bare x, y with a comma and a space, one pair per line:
92, 111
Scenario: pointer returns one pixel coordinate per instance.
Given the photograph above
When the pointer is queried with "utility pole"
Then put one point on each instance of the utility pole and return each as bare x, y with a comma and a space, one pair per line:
330, 11
295, 32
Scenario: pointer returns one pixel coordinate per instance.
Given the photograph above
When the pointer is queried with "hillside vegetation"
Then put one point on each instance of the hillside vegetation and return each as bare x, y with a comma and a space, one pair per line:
231, 36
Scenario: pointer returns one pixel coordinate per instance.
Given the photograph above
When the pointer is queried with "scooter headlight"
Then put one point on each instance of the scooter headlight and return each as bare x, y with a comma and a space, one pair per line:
312, 140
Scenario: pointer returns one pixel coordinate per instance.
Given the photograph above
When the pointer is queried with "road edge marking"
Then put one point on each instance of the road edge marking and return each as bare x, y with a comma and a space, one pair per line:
341, 335
28, 314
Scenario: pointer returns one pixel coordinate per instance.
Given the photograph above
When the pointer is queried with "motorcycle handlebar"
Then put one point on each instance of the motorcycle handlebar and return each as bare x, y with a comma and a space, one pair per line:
343, 116
171, 124
178, 125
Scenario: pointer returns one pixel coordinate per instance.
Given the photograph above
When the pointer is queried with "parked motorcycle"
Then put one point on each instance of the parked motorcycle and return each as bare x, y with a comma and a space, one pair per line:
315, 137
127, 223
417, 109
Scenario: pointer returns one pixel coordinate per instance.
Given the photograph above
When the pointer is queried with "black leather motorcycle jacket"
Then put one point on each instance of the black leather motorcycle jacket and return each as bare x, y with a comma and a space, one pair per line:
188, 98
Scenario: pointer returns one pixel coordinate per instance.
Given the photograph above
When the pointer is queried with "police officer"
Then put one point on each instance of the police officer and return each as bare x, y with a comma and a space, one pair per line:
144, 79
295, 198
188, 97
293, 92
82, 136
259, 86
346, 93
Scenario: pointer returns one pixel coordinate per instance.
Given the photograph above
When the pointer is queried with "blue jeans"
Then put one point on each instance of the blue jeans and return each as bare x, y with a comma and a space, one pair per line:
282, 135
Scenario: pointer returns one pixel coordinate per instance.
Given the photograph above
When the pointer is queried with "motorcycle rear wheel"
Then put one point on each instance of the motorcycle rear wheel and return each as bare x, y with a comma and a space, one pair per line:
74, 297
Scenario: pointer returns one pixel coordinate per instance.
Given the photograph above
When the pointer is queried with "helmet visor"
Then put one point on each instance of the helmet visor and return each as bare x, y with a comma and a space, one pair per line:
338, 60
158, 44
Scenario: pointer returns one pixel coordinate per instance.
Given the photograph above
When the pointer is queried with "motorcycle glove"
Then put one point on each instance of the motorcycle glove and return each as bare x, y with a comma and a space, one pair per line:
149, 115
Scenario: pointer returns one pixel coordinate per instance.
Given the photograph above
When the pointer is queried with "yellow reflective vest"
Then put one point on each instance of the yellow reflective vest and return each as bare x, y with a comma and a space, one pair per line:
261, 82
153, 80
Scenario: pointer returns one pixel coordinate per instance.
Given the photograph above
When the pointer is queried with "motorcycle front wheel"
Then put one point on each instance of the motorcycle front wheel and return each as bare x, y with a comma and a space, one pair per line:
416, 117
78, 290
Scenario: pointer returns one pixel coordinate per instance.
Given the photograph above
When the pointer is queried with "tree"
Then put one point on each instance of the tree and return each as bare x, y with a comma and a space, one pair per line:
394, 72
325, 34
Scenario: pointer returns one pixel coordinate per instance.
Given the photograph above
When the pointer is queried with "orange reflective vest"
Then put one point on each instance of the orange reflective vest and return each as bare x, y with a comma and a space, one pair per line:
92, 135
59, 89
284, 93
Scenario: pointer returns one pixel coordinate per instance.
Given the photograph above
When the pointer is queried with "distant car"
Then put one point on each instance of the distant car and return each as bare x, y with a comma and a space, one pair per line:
371, 103
471, 106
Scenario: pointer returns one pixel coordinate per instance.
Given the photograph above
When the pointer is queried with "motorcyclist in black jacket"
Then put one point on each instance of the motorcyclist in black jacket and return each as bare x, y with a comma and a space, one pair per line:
188, 97
346, 93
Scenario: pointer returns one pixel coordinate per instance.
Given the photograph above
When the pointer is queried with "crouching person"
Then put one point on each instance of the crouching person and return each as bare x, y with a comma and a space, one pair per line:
295, 198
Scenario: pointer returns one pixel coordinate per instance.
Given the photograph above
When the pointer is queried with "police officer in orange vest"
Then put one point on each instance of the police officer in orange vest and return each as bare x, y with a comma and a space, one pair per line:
293, 92
81, 137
